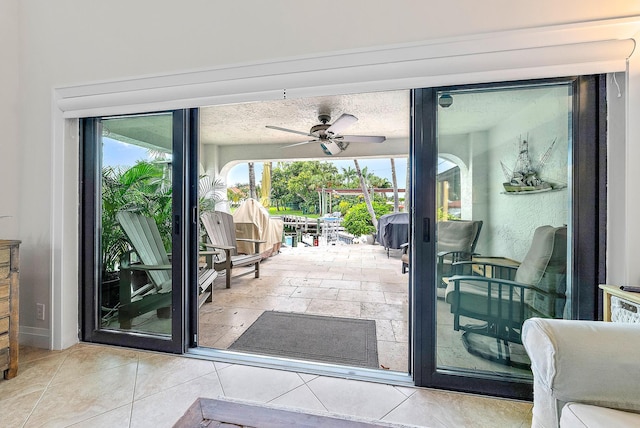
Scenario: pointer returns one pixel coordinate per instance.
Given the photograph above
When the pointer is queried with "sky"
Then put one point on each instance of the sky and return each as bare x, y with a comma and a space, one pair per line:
116, 153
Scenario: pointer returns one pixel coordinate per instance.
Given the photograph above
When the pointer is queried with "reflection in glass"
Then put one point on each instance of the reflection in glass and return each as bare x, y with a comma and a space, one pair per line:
503, 208
136, 212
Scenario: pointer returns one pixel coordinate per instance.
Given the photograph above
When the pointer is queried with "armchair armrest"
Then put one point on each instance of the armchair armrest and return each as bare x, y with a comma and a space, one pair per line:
591, 362
222, 247
256, 243
453, 253
488, 269
474, 262
208, 253
456, 279
147, 268
208, 256
454, 256
227, 252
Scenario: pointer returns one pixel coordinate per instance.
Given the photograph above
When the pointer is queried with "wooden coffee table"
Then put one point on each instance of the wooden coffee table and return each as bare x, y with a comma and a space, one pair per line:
221, 413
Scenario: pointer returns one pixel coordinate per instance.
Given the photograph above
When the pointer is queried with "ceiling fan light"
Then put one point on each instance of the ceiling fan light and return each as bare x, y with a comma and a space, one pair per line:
330, 148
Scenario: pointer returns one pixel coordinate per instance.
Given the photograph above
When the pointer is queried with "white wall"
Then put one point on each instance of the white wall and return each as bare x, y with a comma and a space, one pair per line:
508, 219
456, 148
617, 236
70, 42
9, 106
514, 217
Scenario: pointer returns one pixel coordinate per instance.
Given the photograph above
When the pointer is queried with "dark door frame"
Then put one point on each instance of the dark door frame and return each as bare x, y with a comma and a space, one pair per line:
184, 198
587, 237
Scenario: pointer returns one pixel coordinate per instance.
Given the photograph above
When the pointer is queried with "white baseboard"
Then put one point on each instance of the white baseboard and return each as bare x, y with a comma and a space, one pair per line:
36, 337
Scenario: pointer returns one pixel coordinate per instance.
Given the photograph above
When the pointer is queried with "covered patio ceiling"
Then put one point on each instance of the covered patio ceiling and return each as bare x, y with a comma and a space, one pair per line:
378, 113
240, 132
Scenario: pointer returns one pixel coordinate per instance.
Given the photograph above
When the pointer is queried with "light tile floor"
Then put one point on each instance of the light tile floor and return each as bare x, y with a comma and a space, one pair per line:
101, 386
94, 386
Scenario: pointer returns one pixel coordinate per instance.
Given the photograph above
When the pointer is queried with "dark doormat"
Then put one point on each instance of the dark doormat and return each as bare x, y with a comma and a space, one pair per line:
344, 341
221, 413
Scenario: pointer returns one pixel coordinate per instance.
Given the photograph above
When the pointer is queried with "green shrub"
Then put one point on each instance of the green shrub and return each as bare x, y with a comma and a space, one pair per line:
358, 222
442, 216
344, 206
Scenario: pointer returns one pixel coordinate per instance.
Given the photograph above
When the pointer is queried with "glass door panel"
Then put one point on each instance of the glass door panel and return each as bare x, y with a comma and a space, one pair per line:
136, 164
503, 215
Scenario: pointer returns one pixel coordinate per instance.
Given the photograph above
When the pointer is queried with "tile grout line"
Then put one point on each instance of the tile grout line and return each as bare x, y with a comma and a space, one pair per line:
133, 392
399, 404
224, 394
44, 391
312, 392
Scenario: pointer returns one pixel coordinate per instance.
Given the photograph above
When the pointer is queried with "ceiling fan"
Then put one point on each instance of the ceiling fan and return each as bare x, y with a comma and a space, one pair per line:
328, 135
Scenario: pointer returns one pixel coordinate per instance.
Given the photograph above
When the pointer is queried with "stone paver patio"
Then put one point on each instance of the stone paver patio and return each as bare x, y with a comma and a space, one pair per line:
352, 281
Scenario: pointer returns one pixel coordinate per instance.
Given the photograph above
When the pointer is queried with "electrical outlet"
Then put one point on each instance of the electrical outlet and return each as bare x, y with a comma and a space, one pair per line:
40, 311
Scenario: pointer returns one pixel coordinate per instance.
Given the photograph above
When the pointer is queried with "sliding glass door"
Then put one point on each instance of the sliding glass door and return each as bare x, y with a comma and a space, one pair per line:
135, 258
502, 224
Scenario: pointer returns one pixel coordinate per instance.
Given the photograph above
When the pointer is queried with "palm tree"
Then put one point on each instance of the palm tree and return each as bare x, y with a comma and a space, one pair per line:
210, 192
265, 185
394, 180
253, 194
349, 174
367, 198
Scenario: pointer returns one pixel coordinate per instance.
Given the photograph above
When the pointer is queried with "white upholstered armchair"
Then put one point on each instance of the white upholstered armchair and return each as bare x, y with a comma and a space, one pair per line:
585, 373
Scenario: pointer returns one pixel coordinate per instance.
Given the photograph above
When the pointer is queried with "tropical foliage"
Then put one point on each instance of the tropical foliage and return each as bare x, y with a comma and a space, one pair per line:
358, 222
296, 185
144, 188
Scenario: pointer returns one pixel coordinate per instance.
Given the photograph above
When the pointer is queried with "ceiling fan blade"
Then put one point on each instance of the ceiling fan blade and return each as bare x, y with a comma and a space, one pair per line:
299, 144
362, 138
277, 128
343, 122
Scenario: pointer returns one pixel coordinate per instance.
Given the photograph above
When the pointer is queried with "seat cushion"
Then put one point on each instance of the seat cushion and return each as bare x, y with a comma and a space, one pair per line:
578, 415
455, 236
547, 255
544, 267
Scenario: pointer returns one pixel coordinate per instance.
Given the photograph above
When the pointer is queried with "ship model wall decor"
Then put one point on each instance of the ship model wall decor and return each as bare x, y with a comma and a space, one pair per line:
524, 177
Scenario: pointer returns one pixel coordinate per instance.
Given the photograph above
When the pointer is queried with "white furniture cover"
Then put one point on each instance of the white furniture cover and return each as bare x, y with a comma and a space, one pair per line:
252, 221
582, 370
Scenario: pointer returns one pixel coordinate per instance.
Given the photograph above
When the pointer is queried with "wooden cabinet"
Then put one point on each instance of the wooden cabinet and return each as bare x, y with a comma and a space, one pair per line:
619, 305
9, 302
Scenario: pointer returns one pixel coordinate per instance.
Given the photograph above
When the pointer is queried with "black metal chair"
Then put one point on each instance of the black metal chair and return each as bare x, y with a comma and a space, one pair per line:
501, 298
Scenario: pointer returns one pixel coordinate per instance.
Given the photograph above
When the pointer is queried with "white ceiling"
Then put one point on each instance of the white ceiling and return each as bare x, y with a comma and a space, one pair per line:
379, 113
